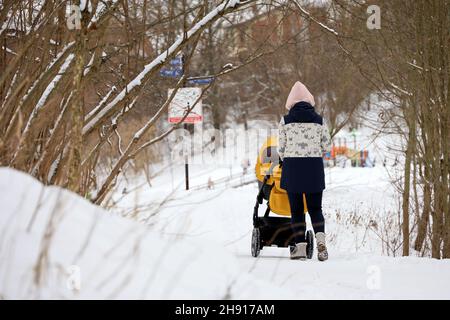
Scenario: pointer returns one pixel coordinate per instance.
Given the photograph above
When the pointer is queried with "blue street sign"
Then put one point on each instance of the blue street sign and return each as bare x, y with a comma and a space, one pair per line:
201, 81
172, 73
178, 61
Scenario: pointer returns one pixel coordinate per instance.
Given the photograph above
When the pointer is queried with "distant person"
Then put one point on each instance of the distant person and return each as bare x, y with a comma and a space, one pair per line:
245, 164
303, 139
210, 185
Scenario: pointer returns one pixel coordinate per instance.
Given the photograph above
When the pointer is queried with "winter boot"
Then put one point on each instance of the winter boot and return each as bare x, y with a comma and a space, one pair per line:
322, 253
298, 251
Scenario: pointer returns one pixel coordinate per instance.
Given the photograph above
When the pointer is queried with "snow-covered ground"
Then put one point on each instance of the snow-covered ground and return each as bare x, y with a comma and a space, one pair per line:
358, 267
54, 245
161, 241
196, 244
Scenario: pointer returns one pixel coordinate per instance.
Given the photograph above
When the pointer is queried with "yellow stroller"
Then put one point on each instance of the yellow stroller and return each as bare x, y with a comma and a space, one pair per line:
270, 230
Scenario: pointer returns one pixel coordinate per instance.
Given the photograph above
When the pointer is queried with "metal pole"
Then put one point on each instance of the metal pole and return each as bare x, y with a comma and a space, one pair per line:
186, 169
186, 164
186, 157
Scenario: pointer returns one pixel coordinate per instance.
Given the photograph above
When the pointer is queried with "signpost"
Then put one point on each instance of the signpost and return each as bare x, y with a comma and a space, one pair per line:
184, 99
171, 73
200, 81
177, 61
175, 69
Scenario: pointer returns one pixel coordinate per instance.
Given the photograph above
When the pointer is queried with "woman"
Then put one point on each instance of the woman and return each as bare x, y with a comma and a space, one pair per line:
303, 138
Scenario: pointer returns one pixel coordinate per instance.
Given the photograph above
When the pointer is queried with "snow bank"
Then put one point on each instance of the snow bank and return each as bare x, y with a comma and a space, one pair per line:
196, 245
54, 244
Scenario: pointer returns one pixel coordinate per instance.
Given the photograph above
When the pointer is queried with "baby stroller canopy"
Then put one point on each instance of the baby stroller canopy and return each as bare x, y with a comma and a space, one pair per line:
269, 230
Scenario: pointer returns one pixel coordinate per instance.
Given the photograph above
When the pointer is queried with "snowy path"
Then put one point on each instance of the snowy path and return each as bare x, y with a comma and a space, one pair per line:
356, 269
196, 245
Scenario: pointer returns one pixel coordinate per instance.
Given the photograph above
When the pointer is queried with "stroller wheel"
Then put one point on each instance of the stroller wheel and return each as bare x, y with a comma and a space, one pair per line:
310, 244
256, 242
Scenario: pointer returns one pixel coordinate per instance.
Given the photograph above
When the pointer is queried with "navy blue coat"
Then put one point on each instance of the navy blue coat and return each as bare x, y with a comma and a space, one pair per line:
303, 138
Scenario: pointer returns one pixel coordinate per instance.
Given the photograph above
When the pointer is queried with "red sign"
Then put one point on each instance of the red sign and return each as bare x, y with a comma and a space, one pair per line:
183, 101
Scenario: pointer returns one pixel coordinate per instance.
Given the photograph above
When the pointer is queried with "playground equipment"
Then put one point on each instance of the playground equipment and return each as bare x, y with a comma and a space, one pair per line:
358, 158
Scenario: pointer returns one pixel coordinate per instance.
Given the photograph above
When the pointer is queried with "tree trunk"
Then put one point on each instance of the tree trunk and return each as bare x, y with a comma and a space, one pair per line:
425, 218
77, 111
411, 146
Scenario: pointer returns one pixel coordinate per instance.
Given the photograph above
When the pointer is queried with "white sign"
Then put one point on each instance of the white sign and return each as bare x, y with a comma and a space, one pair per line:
184, 99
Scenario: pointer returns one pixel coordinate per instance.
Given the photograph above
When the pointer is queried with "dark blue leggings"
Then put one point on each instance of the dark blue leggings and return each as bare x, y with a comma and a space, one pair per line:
314, 203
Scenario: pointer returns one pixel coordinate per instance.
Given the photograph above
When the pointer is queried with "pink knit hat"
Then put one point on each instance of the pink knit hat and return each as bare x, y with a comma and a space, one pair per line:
298, 93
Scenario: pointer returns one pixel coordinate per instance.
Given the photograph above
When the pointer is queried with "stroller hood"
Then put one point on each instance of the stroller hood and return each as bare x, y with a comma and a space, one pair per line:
278, 200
